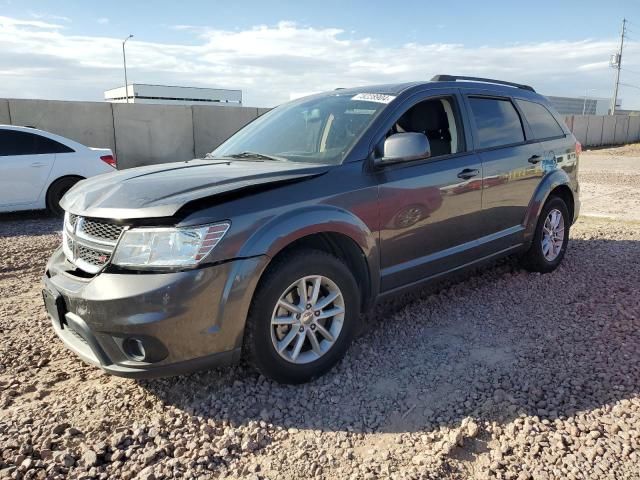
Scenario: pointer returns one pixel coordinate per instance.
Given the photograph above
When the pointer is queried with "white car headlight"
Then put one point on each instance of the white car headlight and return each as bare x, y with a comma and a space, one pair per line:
167, 247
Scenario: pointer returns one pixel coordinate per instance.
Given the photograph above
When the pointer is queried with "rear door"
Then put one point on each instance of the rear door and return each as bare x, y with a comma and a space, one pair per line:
558, 149
429, 209
512, 167
26, 160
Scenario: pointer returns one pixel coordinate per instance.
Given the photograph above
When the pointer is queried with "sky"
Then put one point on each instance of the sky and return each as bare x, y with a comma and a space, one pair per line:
276, 50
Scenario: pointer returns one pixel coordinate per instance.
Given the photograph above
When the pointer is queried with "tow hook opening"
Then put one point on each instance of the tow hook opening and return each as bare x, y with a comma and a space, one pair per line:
143, 348
134, 349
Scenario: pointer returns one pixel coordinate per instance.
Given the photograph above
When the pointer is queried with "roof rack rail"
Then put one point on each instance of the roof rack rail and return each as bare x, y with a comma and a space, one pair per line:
453, 78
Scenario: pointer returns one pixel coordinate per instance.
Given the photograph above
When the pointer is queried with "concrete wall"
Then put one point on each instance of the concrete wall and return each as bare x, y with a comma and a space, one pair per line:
90, 123
152, 134
594, 131
138, 134
5, 118
634, 129
579, 125
213, 125
597, 130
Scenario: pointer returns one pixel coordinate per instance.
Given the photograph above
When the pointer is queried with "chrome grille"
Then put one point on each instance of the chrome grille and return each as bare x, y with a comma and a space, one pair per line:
88, 243
101, 230
93, 257
73, 219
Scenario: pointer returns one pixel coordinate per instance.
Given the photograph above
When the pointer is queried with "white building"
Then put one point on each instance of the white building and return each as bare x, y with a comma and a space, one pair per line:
580, 105
170, 95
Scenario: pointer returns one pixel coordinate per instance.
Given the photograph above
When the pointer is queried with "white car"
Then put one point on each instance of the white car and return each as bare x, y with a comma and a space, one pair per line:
37, 167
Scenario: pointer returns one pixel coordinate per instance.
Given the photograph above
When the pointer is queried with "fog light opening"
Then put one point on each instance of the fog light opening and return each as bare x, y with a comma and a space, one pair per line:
134, 349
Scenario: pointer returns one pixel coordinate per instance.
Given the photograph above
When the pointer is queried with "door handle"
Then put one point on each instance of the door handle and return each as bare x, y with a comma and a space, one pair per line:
534, 159
468, 173
38, 164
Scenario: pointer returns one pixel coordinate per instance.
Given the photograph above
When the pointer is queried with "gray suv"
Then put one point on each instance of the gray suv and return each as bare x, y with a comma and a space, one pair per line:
271, 246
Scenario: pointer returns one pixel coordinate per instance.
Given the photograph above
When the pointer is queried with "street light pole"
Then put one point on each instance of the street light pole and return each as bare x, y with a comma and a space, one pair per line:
124, 59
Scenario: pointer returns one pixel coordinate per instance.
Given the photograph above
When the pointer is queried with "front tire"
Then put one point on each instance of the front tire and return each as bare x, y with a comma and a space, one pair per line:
56, 192
303, 317
550, 239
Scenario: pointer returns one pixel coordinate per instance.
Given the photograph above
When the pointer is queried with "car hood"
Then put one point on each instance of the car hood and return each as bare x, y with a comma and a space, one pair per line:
161, 190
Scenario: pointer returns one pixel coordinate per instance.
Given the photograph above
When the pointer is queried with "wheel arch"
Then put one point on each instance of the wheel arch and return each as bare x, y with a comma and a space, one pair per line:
328, 229
556, 183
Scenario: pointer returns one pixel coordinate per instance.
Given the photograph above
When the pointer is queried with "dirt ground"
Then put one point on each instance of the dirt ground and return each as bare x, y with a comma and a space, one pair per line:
611, 183
506, 374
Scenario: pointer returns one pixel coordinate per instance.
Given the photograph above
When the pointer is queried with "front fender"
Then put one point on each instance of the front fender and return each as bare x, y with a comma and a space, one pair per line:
285, 229
549, 182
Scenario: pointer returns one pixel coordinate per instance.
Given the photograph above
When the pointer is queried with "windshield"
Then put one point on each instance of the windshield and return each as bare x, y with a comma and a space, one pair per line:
317, 130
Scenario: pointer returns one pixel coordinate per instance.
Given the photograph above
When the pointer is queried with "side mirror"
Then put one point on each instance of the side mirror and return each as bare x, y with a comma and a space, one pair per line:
404, 147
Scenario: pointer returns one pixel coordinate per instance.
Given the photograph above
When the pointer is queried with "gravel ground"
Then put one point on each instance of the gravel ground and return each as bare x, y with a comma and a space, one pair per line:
506, 374
611, 183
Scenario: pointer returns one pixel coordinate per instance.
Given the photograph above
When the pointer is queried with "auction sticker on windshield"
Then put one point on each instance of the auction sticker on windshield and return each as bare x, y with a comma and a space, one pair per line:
373, 97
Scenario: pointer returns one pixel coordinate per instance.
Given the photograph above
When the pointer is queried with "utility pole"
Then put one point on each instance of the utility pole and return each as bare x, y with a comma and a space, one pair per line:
124, 59
616, 62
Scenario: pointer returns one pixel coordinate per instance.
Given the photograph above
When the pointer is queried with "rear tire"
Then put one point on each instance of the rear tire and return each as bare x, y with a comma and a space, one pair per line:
307, 336
55, 193
548, 249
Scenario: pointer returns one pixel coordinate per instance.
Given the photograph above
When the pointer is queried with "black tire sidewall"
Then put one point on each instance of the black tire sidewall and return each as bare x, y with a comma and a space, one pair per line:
56, 192
537, 259
261, 350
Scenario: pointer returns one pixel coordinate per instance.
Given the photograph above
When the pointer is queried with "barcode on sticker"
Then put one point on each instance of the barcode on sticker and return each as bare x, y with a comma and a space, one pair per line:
373, 97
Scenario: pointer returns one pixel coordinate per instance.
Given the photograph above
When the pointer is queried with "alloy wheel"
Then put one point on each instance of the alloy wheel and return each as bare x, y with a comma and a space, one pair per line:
552, 235
307, 319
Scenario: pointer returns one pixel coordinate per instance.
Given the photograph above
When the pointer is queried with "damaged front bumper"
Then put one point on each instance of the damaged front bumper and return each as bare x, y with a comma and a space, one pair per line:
138, 324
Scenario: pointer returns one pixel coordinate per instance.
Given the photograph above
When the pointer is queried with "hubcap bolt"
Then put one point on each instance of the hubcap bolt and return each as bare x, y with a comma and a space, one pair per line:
317, 313
313, 327
302, 329
308, 306
298, 316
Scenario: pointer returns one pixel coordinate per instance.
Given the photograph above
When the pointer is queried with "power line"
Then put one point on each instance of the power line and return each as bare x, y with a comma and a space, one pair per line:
629, 85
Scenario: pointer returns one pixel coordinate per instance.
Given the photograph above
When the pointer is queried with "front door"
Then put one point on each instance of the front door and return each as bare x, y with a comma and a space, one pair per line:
23, 169
429, 209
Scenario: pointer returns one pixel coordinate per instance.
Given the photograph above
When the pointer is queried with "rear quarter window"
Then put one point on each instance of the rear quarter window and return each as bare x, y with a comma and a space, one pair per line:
542, 123
497, 122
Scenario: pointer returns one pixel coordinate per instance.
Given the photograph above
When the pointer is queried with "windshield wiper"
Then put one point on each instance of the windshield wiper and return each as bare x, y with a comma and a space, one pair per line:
257, 156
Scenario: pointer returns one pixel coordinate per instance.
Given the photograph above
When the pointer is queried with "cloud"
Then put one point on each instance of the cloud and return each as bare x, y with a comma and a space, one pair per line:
271, 62
103, 21
47, 16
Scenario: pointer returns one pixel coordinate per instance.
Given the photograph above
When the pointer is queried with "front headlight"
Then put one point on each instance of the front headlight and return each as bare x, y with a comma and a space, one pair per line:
167, 247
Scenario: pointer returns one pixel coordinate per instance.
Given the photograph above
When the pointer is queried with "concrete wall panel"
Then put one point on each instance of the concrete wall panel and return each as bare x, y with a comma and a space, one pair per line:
634, 130
622, 128
213, 125
580, 124
4, 112
609, 130
89, 123
149, 134
594, 131
262, 111
568, 120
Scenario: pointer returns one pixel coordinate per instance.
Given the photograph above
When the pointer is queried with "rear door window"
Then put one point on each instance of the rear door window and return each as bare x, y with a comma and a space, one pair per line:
542, 123
497, 122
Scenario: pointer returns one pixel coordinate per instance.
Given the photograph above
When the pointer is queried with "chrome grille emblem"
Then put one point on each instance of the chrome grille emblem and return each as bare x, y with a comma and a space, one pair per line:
88, 243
